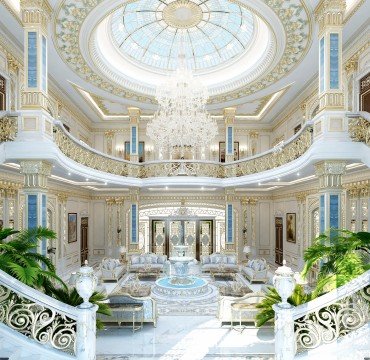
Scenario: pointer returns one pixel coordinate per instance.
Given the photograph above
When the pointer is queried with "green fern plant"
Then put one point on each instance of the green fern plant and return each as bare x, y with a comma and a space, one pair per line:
272, 297
71, 297
342, 256
20, 259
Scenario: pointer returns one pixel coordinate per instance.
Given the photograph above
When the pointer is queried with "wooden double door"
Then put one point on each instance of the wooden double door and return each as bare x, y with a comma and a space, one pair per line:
197, 234
279, 240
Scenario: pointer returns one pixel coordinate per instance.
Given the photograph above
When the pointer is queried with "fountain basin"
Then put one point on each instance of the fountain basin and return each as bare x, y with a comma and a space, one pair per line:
195, 286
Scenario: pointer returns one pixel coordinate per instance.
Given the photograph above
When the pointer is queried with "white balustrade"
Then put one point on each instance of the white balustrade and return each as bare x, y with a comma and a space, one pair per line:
320, 321
67, 331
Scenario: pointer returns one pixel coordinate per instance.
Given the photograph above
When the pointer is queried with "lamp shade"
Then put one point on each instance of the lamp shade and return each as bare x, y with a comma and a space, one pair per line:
122, 249
246, 249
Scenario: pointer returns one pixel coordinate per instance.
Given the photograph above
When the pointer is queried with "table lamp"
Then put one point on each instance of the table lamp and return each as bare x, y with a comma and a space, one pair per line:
247, 251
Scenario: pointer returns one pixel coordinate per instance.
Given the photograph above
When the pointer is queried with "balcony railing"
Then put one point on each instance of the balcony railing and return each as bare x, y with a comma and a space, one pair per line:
85, 155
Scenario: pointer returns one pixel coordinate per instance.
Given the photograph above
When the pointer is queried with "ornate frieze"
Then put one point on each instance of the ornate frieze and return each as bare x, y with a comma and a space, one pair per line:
8, 128
358, 189
359, 130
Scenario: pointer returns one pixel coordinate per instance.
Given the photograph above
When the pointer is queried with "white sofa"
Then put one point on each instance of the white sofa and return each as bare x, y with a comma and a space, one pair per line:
256, 270
111, 269
216, 260
146, 262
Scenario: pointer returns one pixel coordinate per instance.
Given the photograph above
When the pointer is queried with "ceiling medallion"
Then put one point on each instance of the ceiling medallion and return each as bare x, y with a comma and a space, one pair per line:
182, 14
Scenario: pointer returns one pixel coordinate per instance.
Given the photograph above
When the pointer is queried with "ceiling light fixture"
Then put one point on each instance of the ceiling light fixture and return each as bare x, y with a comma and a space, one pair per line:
182, 122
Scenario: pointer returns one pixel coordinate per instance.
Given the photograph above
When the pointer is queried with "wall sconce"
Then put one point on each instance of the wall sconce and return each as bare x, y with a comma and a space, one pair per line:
214, 149
243, 150
120, 150
149, 149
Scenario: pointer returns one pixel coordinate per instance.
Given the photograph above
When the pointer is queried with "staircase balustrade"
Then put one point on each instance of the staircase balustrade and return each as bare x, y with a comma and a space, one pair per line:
49, 322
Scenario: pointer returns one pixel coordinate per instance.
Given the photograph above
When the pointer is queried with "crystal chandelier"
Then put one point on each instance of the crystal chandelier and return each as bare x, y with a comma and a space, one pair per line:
182, 121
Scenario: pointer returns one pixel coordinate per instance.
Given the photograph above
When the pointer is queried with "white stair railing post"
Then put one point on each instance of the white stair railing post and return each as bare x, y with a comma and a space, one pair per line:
285, 343
86, 322
86, 333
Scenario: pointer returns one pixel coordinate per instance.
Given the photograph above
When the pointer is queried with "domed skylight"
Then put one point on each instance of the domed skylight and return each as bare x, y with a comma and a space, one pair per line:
212, 32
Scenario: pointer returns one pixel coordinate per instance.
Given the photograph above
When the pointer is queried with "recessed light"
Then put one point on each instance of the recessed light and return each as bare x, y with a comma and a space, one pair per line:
53, 166
298, 174
105, 183
87, 179
69, 173
166, 187
278, 179
259, 184
202, 188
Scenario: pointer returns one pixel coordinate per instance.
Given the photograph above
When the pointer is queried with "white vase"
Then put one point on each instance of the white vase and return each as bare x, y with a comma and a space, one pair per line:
85, 284
284, 284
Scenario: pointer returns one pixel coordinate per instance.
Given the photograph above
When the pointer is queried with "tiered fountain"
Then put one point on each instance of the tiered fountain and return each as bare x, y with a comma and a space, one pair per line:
180, 283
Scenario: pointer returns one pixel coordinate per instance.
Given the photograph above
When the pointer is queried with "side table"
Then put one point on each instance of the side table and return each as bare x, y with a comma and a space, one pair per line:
135, 312
242, 312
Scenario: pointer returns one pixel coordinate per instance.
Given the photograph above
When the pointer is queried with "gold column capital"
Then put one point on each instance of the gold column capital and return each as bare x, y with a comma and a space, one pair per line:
134, 114
36, 12
36, 173
62, 197
330, 173
330, 13
229, 115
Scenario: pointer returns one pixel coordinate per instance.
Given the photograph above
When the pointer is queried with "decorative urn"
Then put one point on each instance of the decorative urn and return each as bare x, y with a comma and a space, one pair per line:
284, 283
85, 284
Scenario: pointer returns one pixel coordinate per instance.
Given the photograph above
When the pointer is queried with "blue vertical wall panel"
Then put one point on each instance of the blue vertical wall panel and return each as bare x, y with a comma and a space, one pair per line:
322, 214
322, 65
32, 59
32, 211
134, 223
133, 140
44, 64
334, 61
43, 223
334, 211
229, 238
230, 145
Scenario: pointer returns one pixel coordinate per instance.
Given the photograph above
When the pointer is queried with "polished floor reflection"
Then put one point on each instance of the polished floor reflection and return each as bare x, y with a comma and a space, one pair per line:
185, 338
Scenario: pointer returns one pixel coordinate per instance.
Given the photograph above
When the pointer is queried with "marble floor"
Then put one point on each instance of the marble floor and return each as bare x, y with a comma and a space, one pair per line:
185, 338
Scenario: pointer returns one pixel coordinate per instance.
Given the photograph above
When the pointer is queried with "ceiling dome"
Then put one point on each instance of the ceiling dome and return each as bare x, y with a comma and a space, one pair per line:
210, 32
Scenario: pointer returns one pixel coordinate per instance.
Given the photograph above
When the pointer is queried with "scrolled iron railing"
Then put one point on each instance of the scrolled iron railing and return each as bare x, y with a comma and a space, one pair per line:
333, 315
45, 320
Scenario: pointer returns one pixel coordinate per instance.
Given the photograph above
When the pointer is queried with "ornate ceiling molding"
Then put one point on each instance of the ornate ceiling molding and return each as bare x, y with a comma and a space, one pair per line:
293, 16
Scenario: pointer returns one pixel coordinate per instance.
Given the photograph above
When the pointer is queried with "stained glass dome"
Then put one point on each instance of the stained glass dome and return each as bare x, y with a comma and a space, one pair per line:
210, 32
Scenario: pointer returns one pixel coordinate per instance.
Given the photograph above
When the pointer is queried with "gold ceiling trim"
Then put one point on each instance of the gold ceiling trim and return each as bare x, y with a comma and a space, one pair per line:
297, 24
96, 103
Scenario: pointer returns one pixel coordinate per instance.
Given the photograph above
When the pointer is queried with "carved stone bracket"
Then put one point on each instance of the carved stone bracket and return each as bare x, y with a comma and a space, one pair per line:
330, 173
36, 173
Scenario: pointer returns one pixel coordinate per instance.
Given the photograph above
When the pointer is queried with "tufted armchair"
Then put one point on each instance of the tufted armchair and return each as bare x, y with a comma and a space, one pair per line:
256, 270
111, 269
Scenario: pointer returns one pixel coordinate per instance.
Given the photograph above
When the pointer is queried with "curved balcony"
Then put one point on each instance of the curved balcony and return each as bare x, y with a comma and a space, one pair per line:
85, 155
